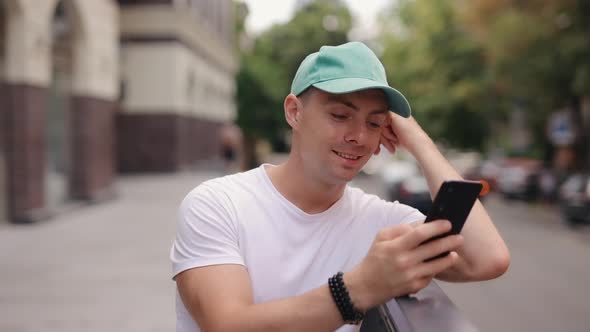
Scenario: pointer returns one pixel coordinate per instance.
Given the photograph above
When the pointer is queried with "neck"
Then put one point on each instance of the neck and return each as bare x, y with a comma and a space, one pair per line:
306, 192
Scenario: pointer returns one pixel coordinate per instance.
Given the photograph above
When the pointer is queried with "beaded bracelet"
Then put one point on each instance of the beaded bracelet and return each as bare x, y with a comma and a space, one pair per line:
349, 313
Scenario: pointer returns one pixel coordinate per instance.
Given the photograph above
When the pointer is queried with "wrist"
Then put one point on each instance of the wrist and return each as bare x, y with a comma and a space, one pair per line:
359, 293
349, 312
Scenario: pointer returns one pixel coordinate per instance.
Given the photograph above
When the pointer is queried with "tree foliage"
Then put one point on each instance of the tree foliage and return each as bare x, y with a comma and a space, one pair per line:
432, 60
539, 54
267, 69
466, 64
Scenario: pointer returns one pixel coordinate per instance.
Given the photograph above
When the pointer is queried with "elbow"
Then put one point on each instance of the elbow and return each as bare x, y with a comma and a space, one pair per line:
495, 265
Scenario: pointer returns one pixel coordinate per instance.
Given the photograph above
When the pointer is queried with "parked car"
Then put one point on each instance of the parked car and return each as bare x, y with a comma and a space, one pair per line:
574, 197
518, 179
488, 171
405, 183
394, 172
376, 164
412, 191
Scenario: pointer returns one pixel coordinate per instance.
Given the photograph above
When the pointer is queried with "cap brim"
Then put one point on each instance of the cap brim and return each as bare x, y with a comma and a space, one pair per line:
397, 101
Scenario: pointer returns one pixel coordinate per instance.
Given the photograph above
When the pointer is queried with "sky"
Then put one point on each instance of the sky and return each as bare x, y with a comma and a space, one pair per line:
264, 13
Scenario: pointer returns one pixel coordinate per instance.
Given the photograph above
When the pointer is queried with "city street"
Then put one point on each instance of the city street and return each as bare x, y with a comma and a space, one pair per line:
547, 286
105, 267
112, 111
97, 268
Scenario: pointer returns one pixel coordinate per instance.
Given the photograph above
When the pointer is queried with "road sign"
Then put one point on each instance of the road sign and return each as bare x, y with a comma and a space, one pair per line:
561, 129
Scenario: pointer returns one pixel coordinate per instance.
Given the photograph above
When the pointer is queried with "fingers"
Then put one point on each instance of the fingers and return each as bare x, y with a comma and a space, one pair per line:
389, 139
434, 248
388, 144
418, 284
436, 266
392, 232
397, 260
424, 232
389, 132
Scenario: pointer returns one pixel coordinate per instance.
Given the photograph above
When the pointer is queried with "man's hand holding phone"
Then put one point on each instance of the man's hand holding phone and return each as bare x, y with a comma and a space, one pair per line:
403, 259
453, 202
397, 265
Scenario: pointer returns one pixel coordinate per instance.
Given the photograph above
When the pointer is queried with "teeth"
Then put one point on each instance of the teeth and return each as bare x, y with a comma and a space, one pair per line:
347, 156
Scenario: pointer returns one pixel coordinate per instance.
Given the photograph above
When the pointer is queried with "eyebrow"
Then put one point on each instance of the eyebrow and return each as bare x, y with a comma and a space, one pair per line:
339, 100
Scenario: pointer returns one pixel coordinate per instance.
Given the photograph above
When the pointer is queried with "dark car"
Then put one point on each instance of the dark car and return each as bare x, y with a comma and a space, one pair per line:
574, 197
412, 191
518, 179
488, 171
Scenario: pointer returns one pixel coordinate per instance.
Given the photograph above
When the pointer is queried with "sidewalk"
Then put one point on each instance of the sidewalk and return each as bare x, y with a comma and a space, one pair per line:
99, 268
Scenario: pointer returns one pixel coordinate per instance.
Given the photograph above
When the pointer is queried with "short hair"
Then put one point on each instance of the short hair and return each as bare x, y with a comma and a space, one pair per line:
304, 95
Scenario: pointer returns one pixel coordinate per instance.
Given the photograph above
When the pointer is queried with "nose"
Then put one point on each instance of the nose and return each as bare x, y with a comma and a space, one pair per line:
356, 132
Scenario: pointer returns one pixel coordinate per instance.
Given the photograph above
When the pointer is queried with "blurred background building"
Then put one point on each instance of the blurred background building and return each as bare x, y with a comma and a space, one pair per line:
90, 88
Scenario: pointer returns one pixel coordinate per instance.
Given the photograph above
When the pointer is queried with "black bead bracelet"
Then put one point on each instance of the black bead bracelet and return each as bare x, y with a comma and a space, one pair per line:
349, 313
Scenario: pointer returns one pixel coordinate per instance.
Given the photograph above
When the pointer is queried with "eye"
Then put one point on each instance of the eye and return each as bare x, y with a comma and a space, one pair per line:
374, 125
339, 116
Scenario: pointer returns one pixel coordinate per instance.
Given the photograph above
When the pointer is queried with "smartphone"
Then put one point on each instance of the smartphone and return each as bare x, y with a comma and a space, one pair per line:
453, 202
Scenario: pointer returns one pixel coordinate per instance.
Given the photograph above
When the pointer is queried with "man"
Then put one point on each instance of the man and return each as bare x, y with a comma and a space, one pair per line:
262, 250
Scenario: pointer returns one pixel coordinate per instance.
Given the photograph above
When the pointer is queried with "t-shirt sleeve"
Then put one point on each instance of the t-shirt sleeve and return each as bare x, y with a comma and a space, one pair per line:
405, 214
206, 233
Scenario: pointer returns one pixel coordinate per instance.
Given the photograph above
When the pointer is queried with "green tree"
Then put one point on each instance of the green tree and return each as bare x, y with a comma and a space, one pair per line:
435, 63
267, 69
538, 53
466, 64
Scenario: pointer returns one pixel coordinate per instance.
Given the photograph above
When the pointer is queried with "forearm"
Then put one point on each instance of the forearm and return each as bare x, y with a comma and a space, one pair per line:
311, 311
483, 254
434, 165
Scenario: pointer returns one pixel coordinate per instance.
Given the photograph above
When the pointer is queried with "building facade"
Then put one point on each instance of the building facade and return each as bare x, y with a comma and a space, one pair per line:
90, 88
177, 81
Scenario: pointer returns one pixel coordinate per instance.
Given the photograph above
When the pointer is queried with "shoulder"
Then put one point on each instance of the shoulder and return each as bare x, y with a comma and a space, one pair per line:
215, 203
373, 206
223, 190
360, 198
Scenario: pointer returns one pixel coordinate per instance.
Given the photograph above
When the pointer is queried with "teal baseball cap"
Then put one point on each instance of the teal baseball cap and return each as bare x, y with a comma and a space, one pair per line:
347, 68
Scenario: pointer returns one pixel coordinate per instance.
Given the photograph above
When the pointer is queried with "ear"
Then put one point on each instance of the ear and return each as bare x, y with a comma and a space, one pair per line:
377, 150
293, 107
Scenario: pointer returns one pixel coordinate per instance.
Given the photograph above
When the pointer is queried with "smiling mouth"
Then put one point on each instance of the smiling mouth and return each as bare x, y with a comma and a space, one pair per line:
347, 156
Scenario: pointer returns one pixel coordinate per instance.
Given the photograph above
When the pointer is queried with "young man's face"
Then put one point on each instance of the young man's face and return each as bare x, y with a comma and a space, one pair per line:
338, 133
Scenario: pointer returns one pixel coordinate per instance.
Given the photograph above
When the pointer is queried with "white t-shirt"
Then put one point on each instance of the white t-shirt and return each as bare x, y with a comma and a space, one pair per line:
243, 219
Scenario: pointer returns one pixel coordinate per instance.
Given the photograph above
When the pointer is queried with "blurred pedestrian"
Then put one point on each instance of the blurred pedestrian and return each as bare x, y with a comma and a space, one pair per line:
292, 246
547, 185
231, 147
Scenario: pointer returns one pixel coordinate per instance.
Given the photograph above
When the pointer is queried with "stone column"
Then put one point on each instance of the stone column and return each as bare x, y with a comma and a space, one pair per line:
3, 184
25, 151
95, 88
25, 98
92, 148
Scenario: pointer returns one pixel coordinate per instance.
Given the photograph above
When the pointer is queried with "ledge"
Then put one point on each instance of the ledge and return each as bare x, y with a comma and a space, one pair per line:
428, 310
